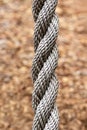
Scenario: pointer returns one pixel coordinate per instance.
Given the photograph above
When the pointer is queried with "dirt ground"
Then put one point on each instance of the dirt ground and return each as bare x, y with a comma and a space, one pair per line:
17, 52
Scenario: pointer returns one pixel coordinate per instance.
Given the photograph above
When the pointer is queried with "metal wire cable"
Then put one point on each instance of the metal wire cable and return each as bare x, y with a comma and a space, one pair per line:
44, 65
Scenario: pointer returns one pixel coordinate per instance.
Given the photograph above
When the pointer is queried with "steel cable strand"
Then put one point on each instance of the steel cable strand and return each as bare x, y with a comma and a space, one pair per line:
44, 65
43, 20
45, 47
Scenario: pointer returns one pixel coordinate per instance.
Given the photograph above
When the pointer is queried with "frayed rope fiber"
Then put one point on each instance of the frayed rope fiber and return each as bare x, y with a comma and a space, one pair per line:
44, 65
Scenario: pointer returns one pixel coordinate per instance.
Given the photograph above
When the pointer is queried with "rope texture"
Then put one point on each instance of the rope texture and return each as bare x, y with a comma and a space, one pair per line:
44, 65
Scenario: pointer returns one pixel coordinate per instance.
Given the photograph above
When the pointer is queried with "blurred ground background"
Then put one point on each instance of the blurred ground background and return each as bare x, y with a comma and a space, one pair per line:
17, 52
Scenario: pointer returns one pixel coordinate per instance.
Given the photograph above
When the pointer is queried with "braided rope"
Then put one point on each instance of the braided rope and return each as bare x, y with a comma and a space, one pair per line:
44, 65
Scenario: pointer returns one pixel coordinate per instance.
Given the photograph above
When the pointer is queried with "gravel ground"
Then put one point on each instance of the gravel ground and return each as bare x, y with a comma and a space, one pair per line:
16, 54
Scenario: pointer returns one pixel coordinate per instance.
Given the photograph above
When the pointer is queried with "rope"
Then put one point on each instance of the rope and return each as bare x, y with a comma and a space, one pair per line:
44, 65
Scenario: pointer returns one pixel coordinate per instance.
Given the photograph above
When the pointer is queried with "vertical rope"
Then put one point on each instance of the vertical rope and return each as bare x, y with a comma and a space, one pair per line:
44, 65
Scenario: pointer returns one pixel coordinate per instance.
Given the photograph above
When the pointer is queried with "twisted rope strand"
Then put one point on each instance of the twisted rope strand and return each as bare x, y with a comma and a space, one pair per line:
44, 65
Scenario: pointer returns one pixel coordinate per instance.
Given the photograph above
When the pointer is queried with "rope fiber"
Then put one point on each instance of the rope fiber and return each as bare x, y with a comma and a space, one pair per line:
44, 65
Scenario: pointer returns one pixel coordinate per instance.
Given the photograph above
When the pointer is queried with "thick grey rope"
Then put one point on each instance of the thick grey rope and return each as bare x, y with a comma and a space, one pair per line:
44, 65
